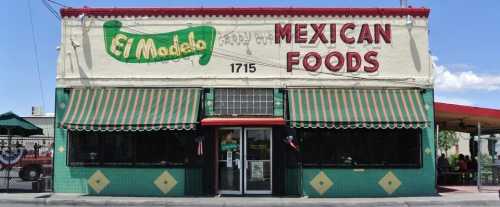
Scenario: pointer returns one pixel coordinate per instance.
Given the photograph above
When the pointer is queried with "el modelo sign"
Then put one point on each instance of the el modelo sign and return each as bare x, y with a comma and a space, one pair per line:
147, 48
199, 40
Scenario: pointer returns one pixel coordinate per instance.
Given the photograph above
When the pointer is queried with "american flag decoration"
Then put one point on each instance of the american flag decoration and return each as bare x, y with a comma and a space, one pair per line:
289, 140
199, 146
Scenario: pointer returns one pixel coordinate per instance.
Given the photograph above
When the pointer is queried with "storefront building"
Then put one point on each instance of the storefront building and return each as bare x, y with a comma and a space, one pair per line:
318, 102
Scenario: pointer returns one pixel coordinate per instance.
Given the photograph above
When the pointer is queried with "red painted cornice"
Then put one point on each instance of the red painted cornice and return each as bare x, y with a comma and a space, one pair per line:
272, 11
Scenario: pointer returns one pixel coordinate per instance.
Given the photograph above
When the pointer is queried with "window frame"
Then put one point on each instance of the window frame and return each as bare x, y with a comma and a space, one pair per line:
133, 163
322, 164
215, 103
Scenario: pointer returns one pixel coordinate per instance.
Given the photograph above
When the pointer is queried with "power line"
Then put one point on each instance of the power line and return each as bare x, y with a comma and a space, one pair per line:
35, 51
51, 10
57, 3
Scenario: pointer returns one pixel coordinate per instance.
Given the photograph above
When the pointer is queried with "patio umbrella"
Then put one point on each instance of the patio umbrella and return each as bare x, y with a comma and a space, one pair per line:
10, 125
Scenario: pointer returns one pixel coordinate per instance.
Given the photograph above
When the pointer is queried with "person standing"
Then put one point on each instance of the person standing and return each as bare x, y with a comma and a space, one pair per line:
443, 164
443, 167
496, 170
36, 149
462, 168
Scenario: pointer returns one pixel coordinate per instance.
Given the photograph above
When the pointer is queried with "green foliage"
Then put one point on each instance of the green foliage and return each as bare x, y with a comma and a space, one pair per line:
486, 159
446, 140
453, 160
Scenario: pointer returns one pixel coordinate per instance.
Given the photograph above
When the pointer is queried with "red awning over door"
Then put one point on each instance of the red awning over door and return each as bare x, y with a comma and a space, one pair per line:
273, 121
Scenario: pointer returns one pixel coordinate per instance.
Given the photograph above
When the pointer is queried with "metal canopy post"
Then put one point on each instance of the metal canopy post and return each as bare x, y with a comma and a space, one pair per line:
437, 138
436, 146
9, 151
479, 156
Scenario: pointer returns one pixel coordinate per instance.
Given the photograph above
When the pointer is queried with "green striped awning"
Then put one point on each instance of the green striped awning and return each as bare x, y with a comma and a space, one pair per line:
357, 108
131, 109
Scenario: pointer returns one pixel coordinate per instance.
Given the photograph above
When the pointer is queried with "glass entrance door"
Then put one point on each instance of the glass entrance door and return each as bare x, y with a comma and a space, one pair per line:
258, 160
230, 165
244, 160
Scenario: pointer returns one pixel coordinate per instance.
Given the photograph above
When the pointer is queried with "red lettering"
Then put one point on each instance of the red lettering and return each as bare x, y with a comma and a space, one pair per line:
317, 63
282, 32
357, 58
340, 61
365, 34
384, 33
333, 33
300, 33
318, 33
343, 30
371, 58
291, 59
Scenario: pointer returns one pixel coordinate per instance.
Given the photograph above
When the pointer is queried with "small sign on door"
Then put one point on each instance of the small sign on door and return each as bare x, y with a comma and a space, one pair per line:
229, 161
257, 170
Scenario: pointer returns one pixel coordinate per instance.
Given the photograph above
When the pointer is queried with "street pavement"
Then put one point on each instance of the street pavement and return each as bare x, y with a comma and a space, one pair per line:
48, 199
16, 183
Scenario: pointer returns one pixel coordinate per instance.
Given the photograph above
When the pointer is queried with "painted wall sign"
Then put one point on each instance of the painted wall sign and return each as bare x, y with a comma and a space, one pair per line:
245, 51
333, 60
147, 48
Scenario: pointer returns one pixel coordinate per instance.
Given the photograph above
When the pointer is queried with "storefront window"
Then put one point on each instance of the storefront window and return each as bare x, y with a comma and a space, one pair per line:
161, 148
84, 149
117, 149
353, 148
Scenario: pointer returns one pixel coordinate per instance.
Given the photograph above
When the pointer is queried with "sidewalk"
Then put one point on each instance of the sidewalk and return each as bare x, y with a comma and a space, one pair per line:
445, 199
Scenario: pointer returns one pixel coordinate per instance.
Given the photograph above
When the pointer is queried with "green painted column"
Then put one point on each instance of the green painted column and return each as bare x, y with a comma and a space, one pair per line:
278, 102
209, 102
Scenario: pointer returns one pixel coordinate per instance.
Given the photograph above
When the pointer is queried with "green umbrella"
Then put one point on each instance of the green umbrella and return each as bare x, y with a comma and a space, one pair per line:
12, 124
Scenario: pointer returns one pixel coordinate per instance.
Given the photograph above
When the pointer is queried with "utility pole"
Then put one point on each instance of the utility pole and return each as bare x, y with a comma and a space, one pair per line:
403, 3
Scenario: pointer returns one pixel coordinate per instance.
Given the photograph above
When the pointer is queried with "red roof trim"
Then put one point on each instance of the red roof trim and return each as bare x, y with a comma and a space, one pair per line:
466, 110
243, 122
274, 11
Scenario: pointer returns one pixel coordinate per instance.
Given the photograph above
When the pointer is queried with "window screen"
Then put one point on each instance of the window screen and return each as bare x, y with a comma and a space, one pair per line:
244, 101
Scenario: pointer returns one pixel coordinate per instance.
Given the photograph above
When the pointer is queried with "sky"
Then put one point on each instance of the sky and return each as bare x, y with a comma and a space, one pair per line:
463, 42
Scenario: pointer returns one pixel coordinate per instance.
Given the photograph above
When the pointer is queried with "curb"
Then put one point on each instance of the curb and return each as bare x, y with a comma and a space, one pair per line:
91, 201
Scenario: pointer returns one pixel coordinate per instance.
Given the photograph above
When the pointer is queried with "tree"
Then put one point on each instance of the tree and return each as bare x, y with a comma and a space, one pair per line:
446, 140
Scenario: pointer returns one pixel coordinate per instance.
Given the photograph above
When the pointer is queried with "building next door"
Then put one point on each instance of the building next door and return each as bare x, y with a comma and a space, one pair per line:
244, 160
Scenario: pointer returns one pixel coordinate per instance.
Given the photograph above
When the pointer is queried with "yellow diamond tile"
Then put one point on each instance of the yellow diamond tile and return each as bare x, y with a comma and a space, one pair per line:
321, 183
98, 181
389, 183
165, 182
428, 150
61, 149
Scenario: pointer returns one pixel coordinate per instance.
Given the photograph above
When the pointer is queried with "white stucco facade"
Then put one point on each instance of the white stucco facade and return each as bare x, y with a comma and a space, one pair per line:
404, 62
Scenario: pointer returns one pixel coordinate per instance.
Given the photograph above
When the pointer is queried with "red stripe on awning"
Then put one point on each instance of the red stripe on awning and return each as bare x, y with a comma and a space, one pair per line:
243, 122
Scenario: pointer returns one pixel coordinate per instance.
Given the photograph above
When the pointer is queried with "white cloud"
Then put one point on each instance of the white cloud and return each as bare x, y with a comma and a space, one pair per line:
449, 79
